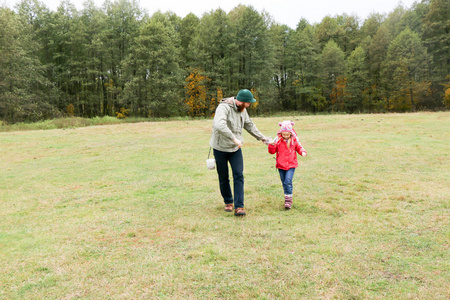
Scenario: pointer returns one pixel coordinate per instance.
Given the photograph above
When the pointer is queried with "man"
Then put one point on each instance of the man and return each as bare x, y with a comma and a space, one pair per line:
230, 118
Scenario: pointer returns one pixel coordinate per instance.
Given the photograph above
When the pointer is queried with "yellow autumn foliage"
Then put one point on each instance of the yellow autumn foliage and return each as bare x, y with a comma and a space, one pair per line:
197, 93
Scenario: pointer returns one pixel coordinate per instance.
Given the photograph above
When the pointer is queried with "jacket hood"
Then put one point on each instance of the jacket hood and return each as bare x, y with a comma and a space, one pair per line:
229, 101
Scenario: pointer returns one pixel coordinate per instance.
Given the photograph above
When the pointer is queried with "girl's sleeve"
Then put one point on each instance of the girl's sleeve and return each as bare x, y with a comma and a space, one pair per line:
272, 149
299, 148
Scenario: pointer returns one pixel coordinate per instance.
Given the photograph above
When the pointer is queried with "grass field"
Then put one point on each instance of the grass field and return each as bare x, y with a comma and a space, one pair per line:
130, 211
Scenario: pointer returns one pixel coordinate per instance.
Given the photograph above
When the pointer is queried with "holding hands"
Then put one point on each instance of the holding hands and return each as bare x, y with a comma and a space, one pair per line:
268, 140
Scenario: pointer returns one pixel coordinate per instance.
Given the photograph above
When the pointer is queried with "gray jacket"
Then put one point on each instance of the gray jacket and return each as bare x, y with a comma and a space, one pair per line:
228, 124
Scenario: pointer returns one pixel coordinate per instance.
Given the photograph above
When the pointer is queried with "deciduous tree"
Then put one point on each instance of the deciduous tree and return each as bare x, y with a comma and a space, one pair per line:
196, 99
405, 71
25, 93
436, 36
332, 62
153, 75
358, 83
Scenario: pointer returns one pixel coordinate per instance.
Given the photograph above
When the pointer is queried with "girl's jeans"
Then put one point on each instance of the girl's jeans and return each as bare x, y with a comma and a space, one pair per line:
237, 166
286, 180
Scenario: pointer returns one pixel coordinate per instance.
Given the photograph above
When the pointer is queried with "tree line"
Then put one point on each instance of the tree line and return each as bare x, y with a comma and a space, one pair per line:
117, 60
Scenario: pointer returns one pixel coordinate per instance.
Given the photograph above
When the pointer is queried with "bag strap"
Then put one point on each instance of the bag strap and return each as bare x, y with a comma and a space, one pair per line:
209, 152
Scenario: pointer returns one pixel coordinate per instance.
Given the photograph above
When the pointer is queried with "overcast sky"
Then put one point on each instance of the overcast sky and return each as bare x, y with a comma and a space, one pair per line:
287, 12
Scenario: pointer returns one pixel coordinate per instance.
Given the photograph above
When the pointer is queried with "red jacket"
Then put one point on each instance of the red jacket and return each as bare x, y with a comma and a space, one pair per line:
286, 158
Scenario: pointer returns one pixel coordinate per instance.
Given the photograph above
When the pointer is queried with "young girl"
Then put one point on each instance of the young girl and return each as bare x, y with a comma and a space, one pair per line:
286, 145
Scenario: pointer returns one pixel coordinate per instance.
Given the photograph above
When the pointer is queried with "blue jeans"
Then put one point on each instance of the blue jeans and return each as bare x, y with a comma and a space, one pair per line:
286, 180
237, 166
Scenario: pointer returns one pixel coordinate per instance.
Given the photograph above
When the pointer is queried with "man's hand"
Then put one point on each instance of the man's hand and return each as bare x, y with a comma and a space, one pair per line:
237, 142
266, 140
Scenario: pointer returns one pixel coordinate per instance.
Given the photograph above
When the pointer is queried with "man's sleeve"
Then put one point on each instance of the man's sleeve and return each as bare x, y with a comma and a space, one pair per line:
220, 122
251, 128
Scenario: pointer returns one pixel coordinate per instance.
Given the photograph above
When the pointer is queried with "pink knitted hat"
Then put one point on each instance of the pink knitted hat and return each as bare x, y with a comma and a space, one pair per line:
286, 126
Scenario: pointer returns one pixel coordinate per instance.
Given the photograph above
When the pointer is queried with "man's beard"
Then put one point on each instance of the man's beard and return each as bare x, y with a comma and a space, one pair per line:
241, 107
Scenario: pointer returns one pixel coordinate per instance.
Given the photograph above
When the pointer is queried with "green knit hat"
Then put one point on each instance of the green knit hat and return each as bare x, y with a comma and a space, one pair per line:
245, 96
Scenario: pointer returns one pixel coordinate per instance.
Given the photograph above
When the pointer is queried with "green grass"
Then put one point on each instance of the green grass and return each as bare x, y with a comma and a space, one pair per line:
130, 211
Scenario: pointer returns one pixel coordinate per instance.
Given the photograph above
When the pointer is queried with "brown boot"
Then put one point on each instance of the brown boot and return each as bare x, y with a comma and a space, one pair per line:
240, 211
229, 207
